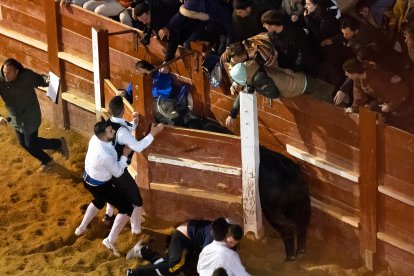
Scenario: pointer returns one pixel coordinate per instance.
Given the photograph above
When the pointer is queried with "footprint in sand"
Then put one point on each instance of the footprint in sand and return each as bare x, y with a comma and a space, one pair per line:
15, 198
61, 221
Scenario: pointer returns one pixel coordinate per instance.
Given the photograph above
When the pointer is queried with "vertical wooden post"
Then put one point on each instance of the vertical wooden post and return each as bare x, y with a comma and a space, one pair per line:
101, 70
368, 186
252, 210
142, 103
53, 25
197, 75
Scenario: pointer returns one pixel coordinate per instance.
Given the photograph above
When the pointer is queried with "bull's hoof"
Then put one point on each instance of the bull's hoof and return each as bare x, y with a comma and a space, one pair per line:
290, 258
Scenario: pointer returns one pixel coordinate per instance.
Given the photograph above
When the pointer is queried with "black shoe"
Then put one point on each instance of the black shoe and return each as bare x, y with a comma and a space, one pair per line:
129, 272
109, 220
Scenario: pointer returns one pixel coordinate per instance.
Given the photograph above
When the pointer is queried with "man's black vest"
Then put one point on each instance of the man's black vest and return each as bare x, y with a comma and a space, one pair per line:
118, 147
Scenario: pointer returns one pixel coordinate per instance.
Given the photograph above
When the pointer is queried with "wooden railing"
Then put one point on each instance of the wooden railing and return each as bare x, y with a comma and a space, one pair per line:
371, 217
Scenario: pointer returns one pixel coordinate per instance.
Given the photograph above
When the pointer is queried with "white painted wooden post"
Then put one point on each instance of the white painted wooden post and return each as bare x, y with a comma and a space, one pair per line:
252, 210
100, 57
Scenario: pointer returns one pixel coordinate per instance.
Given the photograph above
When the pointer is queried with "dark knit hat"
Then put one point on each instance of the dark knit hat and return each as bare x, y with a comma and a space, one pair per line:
242, 4
195, 9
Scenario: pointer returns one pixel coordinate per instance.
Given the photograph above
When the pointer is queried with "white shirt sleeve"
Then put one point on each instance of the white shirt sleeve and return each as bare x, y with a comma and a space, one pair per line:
114, 167
235, 267
125, 138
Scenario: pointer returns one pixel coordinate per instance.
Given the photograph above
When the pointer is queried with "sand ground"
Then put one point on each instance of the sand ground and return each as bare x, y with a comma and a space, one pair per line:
40, 211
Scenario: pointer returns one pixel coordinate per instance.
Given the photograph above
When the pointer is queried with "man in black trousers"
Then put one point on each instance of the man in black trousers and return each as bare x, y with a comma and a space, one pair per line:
17, 89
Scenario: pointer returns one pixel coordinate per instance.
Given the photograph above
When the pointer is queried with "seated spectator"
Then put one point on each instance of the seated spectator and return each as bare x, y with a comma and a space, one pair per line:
218, 254
290, 42
153, 16
246, 17
271, 82
373, 11
402, 14
373, 87
111, 8
187, 239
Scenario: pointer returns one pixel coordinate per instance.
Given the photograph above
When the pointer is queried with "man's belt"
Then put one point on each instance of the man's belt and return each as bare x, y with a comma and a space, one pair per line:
91, 181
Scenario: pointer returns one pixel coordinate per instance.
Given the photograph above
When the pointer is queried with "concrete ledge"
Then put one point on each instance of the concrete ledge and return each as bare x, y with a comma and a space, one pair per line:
335, 212
321, 163
182, 162
177, 189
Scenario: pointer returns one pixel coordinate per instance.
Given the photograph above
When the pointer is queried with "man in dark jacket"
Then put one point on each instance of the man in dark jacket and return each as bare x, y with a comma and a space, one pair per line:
191, 236
17, 90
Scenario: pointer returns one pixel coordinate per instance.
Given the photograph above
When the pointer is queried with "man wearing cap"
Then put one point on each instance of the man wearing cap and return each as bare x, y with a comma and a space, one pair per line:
271, 82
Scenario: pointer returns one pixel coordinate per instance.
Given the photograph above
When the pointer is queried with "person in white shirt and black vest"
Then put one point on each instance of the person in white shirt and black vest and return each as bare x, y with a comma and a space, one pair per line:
101, 168
123, 138
218, 254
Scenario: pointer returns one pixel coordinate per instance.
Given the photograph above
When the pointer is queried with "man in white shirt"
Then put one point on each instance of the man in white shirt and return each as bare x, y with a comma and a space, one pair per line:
218, 254
101, 167
123, 138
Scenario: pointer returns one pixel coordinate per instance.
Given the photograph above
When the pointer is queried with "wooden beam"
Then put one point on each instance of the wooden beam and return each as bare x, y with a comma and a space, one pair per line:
368, 185
101, 70
59, 109
181, 190
24, 39
249, 134
403, 245
182, 162
335, 212
76, 61
78, 101
396, 195
321, 163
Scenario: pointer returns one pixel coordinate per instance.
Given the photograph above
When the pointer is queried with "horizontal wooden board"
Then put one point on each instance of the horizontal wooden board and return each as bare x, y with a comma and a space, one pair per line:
396, 149
199, 146
396, 261
198, 179
30, 57
77, 45
338, 234
395, 218
404, 188
23, 23
34, 8
343, 196
81, 120
161, 204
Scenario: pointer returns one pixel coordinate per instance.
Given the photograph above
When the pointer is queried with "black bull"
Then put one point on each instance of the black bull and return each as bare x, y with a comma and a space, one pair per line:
285, 201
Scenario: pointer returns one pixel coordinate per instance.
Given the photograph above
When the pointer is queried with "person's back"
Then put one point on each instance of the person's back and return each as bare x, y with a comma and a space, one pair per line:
218, 254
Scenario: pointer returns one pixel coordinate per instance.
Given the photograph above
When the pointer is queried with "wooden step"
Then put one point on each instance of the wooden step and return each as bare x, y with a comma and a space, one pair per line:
76, 61
198, 193
403, 245
205, 166
321, 163
78, 100
396, 195
335, 212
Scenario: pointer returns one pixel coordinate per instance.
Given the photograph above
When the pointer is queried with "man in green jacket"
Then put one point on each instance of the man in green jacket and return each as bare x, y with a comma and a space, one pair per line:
17, 91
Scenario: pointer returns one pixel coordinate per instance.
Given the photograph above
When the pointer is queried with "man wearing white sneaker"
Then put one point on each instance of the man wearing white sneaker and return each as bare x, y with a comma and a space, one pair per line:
101, 167
123, 138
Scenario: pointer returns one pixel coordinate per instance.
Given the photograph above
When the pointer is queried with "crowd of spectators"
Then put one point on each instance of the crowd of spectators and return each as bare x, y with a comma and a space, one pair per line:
287, 37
